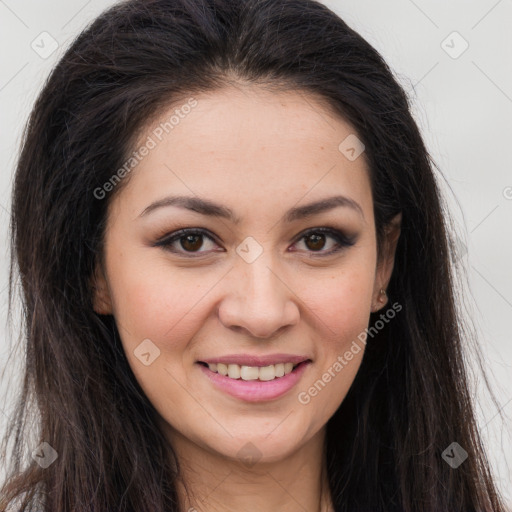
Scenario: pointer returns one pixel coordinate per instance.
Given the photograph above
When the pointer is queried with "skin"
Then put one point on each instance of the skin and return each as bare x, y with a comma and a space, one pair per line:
258, 153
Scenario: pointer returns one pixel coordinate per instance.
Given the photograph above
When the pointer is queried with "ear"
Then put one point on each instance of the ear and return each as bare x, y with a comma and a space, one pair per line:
386, 262
101, 300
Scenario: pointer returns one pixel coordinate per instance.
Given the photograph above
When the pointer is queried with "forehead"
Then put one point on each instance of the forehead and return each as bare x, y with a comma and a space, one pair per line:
248, 144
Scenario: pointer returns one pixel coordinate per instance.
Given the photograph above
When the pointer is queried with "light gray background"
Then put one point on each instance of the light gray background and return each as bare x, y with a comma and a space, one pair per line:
463, 104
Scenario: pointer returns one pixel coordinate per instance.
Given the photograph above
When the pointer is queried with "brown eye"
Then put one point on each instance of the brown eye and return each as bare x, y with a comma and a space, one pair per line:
188, 242
315, 242
191, 242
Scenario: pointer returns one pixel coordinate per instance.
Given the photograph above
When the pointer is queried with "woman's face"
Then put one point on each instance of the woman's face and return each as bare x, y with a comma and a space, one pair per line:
279, 267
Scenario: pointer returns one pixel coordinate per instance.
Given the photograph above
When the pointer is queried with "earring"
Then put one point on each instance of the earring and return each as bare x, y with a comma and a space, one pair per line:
382, 296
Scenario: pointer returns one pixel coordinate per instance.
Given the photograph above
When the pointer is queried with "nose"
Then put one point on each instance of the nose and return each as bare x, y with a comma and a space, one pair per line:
258, 299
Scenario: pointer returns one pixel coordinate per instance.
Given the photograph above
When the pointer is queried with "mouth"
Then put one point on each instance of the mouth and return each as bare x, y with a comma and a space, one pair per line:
254, 383
254, 373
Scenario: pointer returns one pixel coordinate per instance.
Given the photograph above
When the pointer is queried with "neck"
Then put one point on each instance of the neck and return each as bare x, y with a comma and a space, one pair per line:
210, 482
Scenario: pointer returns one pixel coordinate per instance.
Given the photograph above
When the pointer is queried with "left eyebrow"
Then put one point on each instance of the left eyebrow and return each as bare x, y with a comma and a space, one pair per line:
212, 209
308, 210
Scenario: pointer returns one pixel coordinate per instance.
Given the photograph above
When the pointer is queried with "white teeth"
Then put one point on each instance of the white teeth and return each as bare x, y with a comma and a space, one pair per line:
267, 373
233, 371
222, 369
263, 373
248, 372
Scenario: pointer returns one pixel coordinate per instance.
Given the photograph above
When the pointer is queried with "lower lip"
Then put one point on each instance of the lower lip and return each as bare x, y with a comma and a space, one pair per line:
256, 390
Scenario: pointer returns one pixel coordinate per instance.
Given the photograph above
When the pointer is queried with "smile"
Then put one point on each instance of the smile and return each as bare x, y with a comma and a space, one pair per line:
254, 383
262, 373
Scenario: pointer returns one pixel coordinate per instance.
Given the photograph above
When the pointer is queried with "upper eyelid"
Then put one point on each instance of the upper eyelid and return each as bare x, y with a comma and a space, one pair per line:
335, 233
202, 231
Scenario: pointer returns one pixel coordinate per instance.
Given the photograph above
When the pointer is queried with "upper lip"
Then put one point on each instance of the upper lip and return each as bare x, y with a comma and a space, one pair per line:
252, 360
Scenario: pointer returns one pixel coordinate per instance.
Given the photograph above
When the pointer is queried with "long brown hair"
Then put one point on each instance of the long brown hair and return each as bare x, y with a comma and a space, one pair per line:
410, 399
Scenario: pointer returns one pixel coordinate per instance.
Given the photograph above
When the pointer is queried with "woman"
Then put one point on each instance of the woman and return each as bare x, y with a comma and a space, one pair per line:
236, 275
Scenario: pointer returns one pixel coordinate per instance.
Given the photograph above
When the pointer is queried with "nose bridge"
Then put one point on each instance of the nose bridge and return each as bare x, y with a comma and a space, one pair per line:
260, 282
255, 266
258, 299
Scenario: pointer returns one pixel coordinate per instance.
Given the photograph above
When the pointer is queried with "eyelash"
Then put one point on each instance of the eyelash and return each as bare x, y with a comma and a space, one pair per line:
342, 240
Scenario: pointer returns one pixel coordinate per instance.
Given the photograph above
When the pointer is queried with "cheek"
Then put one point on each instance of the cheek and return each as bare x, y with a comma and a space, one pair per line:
342, 308
340, 303
154, 301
